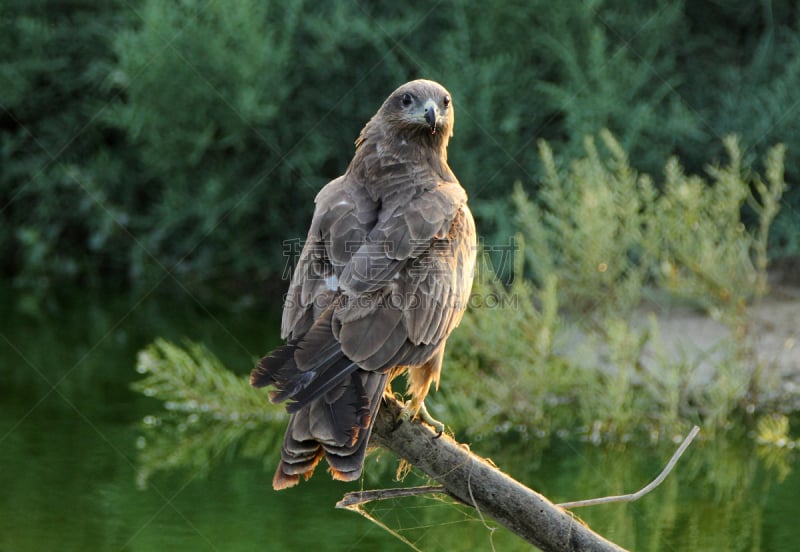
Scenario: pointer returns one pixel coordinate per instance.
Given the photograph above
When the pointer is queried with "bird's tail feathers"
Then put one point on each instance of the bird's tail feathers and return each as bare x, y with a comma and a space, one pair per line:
336, 425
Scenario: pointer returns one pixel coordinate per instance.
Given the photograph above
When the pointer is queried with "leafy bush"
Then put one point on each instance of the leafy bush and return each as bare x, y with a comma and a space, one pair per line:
706, 252
605, 231
576, 349
589, 229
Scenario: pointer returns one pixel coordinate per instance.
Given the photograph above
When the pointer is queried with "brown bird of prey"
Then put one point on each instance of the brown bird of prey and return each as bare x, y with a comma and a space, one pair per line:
383, 278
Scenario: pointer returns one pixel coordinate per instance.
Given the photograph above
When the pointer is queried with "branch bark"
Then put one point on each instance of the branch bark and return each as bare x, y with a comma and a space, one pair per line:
474, 481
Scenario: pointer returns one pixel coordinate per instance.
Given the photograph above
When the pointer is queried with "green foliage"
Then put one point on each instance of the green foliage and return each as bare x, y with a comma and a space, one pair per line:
601, 206
500, 373
577, 346
208, 89
60, 212
617, 68
604, 230
775, 445
208, 412
147, 138
534, 373
707, 252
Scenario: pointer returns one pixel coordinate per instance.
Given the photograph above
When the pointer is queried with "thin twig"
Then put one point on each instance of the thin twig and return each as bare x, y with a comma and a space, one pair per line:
644, 490
360, 497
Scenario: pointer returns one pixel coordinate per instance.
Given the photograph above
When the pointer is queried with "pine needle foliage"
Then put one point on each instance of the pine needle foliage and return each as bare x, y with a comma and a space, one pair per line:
208, 412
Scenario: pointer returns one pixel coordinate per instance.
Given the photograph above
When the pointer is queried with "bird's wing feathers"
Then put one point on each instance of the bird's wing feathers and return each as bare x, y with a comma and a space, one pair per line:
341, 221
409, 283
404, 231
438, 283
401, 280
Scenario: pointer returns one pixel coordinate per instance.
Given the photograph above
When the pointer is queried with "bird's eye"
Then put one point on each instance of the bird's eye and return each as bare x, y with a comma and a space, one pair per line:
446, 101
406, 100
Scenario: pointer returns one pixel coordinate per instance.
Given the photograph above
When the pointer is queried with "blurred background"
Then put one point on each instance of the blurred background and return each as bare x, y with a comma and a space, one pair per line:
158, 165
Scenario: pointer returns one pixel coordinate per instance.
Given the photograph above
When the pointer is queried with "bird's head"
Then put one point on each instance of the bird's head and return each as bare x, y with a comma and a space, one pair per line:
420, 107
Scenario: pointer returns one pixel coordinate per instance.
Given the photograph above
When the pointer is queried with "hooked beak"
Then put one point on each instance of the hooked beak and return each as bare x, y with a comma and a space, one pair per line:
431, 115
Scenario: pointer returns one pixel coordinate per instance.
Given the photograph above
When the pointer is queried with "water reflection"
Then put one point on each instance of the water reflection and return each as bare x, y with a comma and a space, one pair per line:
69, 463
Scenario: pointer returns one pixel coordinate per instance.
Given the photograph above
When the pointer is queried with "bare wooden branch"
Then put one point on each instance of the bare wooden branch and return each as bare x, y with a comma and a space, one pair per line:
644, 490
477, 483
362, 497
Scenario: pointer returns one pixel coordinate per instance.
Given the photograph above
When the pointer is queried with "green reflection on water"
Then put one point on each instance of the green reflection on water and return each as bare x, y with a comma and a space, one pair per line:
69, 467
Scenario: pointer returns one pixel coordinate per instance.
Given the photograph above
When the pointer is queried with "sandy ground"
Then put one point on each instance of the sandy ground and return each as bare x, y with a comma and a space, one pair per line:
776, 329
773, 335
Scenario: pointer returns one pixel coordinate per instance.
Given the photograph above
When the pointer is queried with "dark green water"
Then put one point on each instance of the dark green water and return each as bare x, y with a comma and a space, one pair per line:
68, 460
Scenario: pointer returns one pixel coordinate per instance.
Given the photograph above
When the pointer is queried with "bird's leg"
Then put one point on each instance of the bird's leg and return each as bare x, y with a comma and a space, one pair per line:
415, 407
420, 379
